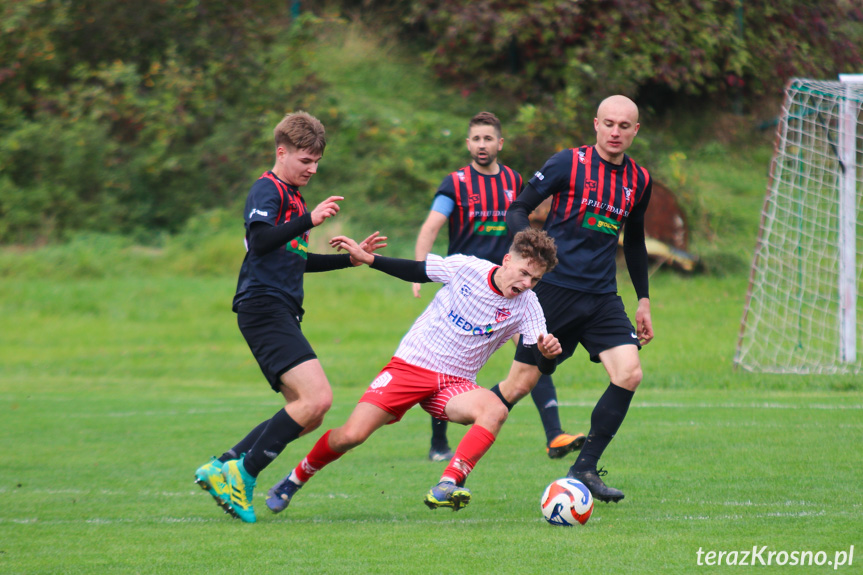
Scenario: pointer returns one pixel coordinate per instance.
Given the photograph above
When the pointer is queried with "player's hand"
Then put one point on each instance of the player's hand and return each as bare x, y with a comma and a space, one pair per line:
549, 346
326, 209
416, 288
374, 242
358, 255
643, 323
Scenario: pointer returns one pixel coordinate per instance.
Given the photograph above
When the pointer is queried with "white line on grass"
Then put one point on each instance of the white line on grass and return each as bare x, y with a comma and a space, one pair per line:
319, 520
703, 405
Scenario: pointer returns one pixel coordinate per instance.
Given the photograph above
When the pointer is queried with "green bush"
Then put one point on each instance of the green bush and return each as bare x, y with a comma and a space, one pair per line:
707, 47
119, 118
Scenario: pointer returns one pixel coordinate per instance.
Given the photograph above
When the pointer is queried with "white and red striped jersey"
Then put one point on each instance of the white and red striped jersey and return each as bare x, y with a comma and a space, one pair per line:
468, 319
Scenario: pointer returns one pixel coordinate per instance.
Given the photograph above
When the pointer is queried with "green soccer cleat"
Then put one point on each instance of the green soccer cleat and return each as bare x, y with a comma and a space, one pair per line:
240, 488
209, 477
447, 494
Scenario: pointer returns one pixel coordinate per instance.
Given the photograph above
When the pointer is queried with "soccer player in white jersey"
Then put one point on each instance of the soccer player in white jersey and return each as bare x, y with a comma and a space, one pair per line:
479, 308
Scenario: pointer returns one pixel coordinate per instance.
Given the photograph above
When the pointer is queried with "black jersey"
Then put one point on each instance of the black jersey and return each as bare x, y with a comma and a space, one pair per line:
477, 224
593, 199
278, 273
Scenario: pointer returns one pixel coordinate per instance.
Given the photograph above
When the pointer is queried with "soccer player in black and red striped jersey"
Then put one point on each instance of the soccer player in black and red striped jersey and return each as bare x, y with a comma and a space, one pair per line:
269, 307
473, 200
596, 191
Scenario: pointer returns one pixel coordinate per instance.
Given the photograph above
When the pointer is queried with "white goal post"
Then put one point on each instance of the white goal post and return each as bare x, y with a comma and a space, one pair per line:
803, 312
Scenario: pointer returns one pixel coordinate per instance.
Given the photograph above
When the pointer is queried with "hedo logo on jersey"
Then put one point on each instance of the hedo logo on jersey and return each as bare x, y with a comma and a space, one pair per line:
467, 326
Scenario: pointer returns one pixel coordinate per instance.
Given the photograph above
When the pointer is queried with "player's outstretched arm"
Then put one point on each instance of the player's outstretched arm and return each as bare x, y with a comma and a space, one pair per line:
407, 270
357, 253
371, 244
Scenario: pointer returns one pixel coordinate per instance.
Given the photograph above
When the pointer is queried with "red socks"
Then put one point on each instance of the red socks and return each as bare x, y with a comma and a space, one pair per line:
320, 456
470, 449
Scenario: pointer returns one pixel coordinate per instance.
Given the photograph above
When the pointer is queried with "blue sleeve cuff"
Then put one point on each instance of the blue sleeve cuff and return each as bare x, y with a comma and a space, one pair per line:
443, 205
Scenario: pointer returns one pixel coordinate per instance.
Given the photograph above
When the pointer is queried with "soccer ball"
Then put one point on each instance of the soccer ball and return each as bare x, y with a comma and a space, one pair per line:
566, 502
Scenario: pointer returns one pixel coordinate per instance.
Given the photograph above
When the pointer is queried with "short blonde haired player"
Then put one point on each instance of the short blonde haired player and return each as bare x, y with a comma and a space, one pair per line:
269, 307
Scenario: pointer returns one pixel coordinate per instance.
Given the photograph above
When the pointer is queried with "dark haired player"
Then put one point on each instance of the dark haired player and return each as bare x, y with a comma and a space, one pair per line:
269, 307
473, 201
595, 191
479, 308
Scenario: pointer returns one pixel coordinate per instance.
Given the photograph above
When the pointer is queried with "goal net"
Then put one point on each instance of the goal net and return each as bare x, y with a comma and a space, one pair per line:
803, 312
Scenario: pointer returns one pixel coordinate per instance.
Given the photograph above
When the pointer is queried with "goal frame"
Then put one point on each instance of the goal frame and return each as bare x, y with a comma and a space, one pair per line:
846, 288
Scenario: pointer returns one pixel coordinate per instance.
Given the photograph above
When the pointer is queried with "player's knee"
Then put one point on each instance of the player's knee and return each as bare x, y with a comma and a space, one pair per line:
317, 407
312, 425
516, 388
493, 416
348, 438
498, 413
630, 379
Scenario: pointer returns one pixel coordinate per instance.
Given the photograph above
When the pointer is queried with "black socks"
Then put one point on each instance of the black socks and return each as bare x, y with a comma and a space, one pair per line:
544, 395
438, 439
245, 444
496, 391
280, 430
605, 420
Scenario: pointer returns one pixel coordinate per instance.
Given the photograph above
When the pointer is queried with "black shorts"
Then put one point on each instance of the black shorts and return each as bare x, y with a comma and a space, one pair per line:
274, 336
596, 321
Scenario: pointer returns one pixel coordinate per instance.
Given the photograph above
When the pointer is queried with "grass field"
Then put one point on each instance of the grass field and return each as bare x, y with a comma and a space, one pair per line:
122, 370
113, 390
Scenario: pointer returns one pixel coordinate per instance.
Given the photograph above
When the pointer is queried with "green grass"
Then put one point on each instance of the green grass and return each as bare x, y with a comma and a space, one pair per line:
113, 390
122, 370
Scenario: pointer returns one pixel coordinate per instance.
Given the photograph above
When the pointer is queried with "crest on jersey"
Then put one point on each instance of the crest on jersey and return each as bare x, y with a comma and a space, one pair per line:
460, 175
581, 156
510, 195
501, 314
465, 290
627, 192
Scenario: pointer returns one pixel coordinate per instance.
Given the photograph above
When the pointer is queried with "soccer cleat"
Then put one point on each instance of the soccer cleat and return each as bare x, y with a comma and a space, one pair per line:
563, 444
279, 495
440, 454
209, 477
597, 487
240, 488
447, 494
